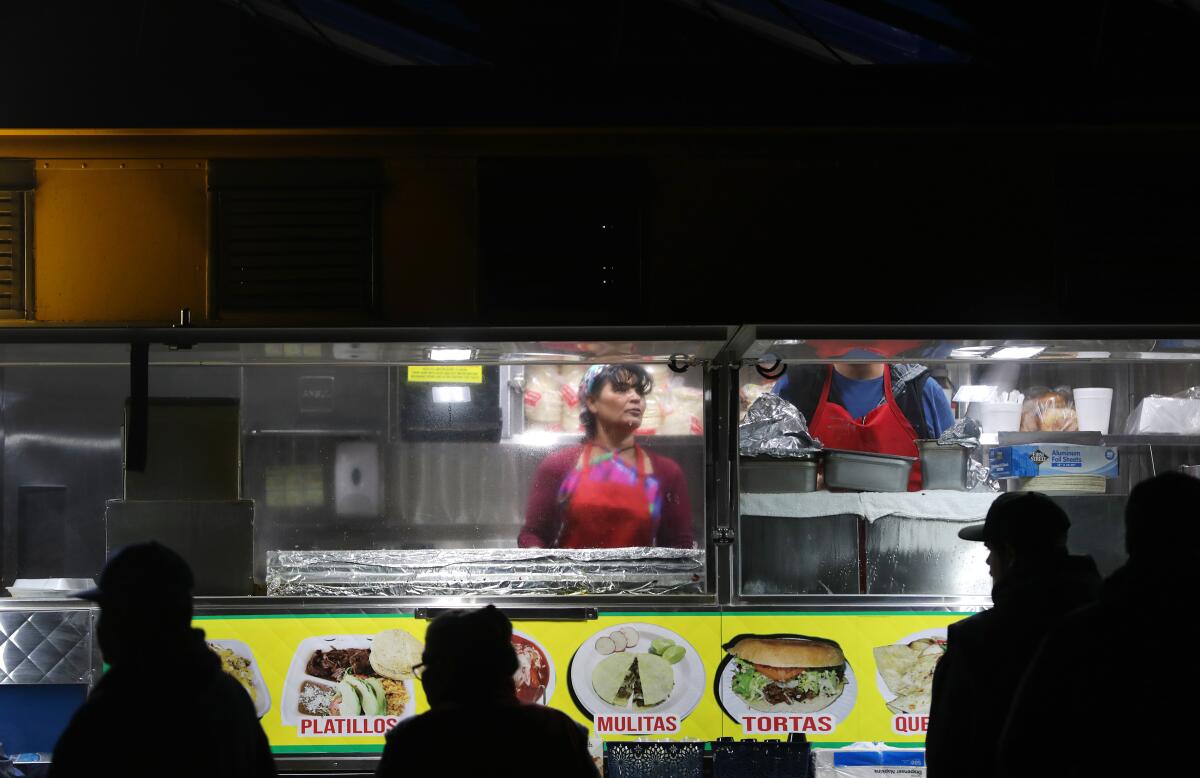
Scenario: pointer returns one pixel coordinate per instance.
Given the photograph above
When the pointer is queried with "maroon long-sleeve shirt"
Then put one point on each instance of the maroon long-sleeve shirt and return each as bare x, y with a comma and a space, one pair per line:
543, 514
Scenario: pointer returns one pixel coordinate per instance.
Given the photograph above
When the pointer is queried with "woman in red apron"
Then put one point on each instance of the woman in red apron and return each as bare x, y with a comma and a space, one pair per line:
609, 492
885, 430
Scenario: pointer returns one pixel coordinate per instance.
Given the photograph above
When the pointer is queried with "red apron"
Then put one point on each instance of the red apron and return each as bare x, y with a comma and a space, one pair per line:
885, 430
606, 514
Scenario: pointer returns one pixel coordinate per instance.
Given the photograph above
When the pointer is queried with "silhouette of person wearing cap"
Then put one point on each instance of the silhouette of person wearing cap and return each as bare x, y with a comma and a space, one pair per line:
476, 725
1121, 665
165, 706
1034, 582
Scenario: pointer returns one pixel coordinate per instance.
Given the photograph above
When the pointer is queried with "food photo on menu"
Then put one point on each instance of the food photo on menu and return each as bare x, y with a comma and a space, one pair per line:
788, 674
534, 677
905, 671
648, 676
349, 676
238, 662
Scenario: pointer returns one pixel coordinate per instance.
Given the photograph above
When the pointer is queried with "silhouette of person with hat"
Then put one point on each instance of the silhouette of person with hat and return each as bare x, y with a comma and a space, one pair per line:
1034, 582
1121, 664
476, 725
164, 706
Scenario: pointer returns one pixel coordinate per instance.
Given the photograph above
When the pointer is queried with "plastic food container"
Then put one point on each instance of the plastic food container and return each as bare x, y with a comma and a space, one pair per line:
867, 472
943, 467
767, 475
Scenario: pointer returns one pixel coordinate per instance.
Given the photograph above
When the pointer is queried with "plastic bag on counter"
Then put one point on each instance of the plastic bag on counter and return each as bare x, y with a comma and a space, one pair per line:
774, 427
979, 475
1178, 414
965, 433
543, 395
1049, 410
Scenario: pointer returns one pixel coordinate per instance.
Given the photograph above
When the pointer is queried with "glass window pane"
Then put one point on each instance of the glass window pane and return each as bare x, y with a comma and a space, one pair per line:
266, 450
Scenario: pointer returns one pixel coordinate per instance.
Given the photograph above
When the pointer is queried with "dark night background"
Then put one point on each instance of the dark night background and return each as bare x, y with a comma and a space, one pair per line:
1035, 163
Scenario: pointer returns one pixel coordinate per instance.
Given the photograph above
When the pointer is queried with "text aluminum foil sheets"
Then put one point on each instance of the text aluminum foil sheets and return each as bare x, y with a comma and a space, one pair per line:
492, 571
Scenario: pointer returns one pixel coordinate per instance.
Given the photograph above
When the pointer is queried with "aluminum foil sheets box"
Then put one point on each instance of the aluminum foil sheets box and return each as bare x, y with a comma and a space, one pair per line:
1041, 459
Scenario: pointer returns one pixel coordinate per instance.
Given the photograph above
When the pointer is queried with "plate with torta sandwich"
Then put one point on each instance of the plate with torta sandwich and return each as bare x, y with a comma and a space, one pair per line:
636, 668
785, 673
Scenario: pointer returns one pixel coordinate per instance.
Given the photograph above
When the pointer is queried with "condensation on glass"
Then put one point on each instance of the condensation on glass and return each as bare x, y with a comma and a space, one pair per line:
395, 447
886, 555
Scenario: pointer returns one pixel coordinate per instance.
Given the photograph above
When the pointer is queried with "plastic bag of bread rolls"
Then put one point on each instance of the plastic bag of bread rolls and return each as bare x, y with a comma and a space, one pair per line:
571, 376
685, 412
750, 392
1049, 410
652, 417
543, 395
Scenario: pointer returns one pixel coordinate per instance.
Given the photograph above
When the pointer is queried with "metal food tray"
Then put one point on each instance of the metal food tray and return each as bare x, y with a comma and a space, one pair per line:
866, 471
943, 467
495, 572
776, 476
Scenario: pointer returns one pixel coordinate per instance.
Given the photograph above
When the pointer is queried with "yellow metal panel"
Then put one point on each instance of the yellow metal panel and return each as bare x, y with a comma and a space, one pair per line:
120, 244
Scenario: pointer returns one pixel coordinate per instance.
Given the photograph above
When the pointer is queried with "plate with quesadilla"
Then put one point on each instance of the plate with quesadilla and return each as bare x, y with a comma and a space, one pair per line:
904, 670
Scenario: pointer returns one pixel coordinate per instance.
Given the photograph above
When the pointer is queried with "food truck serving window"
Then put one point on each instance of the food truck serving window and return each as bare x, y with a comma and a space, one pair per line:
877, 509
337, 469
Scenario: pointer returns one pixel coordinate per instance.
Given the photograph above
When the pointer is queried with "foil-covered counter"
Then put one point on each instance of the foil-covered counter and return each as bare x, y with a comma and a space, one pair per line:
492, 572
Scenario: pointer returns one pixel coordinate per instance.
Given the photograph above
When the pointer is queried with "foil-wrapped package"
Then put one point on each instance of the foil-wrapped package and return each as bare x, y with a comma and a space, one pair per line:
486, 571
774, 427
964, 432
979, 475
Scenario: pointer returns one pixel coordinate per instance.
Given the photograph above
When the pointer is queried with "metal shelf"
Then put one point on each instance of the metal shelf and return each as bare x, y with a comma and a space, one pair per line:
1096, 439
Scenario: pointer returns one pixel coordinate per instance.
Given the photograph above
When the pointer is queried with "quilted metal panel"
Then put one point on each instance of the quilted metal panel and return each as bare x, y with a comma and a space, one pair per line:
50, 646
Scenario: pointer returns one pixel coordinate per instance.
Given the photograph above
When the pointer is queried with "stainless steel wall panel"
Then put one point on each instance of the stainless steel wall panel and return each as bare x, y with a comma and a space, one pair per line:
46, 646
785, 555
923, 556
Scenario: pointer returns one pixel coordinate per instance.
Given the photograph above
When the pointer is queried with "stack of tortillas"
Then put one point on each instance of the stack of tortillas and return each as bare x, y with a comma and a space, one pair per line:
1083, 484
394, 652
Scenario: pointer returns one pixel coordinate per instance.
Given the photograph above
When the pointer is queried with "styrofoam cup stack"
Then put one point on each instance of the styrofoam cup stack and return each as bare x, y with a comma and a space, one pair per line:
1000, 417
1093, 405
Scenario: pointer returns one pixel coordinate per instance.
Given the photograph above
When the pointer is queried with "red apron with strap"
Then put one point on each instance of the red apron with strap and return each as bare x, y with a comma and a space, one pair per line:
603, 514
885, 430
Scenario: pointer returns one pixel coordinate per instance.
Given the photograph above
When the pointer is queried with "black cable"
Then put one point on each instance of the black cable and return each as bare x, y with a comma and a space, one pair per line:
788, 12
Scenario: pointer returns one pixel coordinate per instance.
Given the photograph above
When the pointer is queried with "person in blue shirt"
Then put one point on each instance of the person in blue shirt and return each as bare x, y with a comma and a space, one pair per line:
869, 406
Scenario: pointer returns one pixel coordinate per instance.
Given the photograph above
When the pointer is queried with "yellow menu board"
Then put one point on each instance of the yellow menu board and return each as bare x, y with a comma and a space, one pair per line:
317, 684
853, 704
